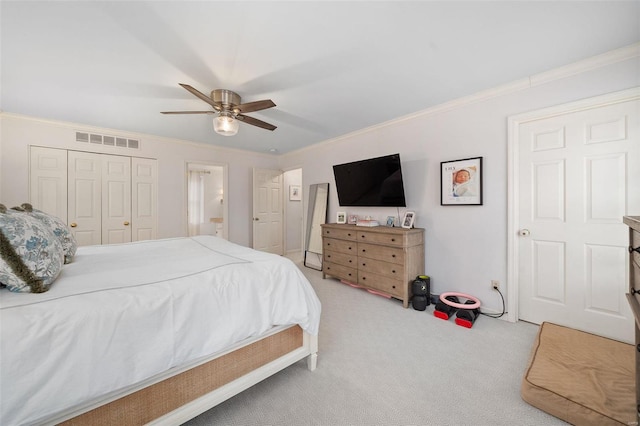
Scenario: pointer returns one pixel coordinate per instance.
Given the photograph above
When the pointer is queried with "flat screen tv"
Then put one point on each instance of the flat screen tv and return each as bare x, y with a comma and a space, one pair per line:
375, 182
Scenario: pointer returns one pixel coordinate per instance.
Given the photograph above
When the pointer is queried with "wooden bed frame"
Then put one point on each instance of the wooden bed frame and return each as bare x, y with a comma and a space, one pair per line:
181, 394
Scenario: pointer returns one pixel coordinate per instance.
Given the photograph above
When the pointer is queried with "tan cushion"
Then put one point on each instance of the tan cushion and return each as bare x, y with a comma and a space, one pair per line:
581, 378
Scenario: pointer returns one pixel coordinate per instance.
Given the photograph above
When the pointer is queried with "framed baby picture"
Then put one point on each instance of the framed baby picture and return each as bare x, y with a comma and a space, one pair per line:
341, 217
461, 182
408, 219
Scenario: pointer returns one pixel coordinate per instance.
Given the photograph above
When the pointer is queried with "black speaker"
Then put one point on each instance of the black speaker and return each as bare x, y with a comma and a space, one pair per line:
420, 302
421, 286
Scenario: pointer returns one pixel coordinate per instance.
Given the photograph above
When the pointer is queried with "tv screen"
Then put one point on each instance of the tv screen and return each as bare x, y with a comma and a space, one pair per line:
376, 182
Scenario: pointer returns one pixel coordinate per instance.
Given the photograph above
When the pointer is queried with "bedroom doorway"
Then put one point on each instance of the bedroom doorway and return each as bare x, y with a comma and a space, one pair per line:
575, 174
207, 211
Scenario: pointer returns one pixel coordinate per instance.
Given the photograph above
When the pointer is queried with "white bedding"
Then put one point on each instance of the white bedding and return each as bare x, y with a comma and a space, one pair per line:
120, 314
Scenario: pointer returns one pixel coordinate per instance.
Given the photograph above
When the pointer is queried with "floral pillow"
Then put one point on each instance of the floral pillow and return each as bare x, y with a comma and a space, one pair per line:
31, 257
59, 228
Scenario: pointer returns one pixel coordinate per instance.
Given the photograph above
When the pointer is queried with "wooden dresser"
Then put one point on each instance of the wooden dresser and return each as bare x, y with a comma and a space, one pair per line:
382, 259
634, 291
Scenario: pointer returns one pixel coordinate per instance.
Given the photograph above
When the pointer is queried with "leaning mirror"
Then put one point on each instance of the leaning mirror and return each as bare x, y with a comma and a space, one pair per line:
316, 216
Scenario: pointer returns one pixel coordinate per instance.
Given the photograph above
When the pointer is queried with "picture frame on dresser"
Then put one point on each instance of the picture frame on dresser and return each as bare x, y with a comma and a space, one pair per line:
408, 219
341, 218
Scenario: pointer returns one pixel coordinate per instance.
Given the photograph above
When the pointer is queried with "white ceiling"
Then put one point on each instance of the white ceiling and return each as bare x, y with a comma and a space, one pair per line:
331, 67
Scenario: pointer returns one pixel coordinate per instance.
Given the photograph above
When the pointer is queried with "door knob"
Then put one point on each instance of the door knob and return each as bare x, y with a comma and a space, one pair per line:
126, 223
73, 225
256, 219
524, 233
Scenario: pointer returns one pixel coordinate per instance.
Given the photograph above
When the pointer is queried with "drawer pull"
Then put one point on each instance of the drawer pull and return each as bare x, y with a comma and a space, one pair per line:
393, 271
364, 278
362, 236
393, 286
631, 249
349, 260
328, 244
349, 234
364, 264
393, 255
349, 274
363, 250
329, 256
393, 240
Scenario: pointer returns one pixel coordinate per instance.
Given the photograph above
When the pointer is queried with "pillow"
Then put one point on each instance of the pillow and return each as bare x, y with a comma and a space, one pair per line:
57, 226
31, 257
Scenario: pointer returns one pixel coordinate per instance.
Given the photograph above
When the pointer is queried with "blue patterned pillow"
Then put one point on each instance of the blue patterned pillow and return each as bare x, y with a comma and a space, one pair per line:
31, 256
57, 226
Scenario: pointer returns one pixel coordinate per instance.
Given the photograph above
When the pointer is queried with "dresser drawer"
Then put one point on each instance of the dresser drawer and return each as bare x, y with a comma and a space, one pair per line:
340, 246
397, 240
388, 285
339, 271
350, 260
387, 254
342, 234
387, 269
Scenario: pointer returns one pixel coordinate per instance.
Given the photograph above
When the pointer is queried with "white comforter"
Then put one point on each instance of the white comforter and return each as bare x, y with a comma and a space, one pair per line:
120, 314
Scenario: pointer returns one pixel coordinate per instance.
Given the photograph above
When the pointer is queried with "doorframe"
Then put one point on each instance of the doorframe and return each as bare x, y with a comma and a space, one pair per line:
513, 196
225, 194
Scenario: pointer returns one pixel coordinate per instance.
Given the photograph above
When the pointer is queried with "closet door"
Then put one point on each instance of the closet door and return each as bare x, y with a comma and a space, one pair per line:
144, 195
106, 199
48, 183
116, 199
85, 197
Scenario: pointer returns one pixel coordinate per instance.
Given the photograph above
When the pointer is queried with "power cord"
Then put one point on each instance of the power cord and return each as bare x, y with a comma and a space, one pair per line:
503, 307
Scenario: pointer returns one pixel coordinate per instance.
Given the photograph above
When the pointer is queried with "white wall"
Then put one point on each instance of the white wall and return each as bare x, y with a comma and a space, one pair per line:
293, 213
18, 133
466, 246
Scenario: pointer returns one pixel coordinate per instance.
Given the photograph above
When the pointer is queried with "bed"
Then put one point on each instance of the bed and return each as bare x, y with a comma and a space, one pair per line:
152, 332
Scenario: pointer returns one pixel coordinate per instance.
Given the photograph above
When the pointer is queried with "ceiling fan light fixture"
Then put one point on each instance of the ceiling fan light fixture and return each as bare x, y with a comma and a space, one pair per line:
224, 124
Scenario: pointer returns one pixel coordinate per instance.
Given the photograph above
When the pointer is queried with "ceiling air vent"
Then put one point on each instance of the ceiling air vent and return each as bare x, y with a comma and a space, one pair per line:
119, 142
82, 137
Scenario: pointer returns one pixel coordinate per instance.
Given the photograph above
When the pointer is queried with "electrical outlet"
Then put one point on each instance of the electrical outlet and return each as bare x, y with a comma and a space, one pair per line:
495, 284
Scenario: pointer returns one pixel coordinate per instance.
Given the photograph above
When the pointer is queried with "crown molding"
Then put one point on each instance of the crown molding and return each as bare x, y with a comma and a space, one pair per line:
618, 55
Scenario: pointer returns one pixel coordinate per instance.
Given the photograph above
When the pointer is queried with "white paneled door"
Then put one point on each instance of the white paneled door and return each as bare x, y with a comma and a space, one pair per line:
85, 197
116, 199
144, 196
268, 210
579, 174
105, 199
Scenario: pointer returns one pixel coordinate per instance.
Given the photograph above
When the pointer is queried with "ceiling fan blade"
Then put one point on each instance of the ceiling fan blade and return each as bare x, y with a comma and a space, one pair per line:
188, 112
255, 106
199, 94
255, 122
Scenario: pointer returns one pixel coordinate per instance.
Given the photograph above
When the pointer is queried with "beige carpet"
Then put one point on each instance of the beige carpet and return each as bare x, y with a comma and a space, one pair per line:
381, 364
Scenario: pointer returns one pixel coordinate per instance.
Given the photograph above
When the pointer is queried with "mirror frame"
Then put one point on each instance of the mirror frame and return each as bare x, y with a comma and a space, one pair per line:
313, 223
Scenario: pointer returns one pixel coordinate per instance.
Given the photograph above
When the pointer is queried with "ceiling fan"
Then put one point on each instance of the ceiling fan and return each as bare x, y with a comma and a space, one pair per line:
229, 111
